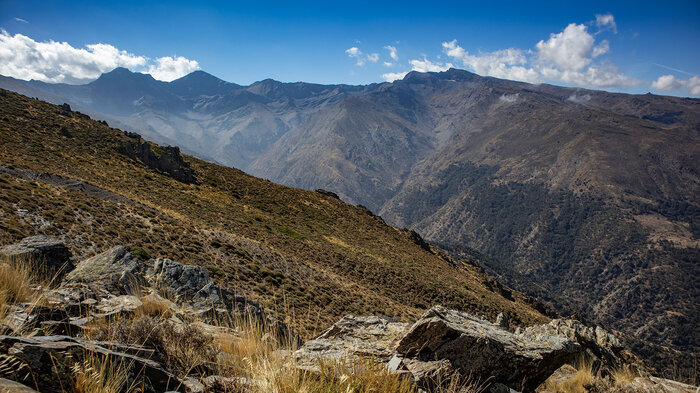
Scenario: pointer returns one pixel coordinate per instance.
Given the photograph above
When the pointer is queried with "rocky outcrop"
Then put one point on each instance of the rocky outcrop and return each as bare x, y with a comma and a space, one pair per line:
47, 253
168, 159
601, 347
116, 270
351, 337
472, 346
50, 360
443, 343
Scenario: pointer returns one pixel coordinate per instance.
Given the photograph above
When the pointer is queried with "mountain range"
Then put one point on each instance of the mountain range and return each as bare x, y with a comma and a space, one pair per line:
585, 198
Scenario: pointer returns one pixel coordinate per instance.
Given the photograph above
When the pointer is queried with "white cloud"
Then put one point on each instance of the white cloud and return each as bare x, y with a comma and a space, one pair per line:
569, 56
392, 76
666, 83
669, 83
506, 63
58, 62
568, 50
426, 65
606, 21
388, 64
393, 53
509, 98
360, 57
693, 85
21, 20
170, 68
579, 99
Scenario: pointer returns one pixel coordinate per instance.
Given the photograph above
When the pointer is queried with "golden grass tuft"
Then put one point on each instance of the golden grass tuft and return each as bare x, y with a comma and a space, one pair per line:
624, 375
577, 382
100, 374
155, 306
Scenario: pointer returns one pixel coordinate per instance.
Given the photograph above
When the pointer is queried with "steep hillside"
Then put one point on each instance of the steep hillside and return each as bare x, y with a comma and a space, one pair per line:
308, 256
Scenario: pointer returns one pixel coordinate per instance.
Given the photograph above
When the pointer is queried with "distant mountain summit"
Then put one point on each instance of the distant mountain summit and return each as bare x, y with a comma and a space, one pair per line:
585, 194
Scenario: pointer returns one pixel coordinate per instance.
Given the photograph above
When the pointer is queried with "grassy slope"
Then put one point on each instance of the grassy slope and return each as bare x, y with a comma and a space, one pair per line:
310, 256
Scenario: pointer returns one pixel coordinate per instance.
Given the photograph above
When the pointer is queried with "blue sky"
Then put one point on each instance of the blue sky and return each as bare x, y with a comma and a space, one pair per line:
618, 46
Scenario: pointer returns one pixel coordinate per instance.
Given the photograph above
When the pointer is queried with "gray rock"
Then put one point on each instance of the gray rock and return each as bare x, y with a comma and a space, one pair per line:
503, 321
353, 336
107, 269
603, 348
49, 253
480, 349
7, 386
50, 360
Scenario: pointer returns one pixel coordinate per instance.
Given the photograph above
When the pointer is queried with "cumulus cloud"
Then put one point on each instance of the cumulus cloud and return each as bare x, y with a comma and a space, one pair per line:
392, 76
570, 56
393, 53
58, 62
424, 65
606, 21
693, 85
507, 63
670, 82
170, 68
360, 57
666, 83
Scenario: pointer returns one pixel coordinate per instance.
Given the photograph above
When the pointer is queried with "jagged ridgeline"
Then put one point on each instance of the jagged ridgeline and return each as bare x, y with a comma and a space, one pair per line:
307, 256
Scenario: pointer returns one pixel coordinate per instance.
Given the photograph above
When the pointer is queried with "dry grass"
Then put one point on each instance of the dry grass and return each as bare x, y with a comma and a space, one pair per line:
578, 382
16, 278
155, 306
98, 374
624, 375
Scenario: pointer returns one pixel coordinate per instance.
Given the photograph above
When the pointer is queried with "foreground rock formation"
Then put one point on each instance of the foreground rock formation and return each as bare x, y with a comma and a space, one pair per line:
42, 345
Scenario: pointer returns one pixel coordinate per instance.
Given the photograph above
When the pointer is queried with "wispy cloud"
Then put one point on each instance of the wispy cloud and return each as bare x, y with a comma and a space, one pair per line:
21, 20
393, 53
23, 58
605, 22
360, 57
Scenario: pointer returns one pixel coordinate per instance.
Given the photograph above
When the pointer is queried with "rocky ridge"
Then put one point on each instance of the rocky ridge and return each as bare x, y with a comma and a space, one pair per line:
42, 343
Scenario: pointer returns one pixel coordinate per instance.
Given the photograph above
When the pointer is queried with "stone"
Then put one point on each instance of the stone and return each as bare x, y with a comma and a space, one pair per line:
124, 304
503, 321
483, 350
50, 360
352, 337
107, 269
7, 386
602, 347
49, 253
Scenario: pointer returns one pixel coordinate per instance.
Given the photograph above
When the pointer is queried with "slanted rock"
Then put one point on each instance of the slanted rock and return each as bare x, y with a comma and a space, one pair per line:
7, 386
603, 348
50, 360
48, 253
480, 349
351, 337
116, 270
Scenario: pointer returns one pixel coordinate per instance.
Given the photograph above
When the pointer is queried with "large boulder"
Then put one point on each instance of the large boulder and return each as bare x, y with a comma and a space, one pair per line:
475, 347
353, 337
115, 270
50, 254
601, 347
50, 362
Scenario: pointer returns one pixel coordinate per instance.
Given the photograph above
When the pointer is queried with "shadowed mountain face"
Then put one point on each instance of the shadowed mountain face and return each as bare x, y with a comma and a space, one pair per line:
585, 194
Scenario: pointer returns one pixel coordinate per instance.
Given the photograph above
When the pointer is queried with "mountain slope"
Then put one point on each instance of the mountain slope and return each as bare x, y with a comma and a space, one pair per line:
304, 254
